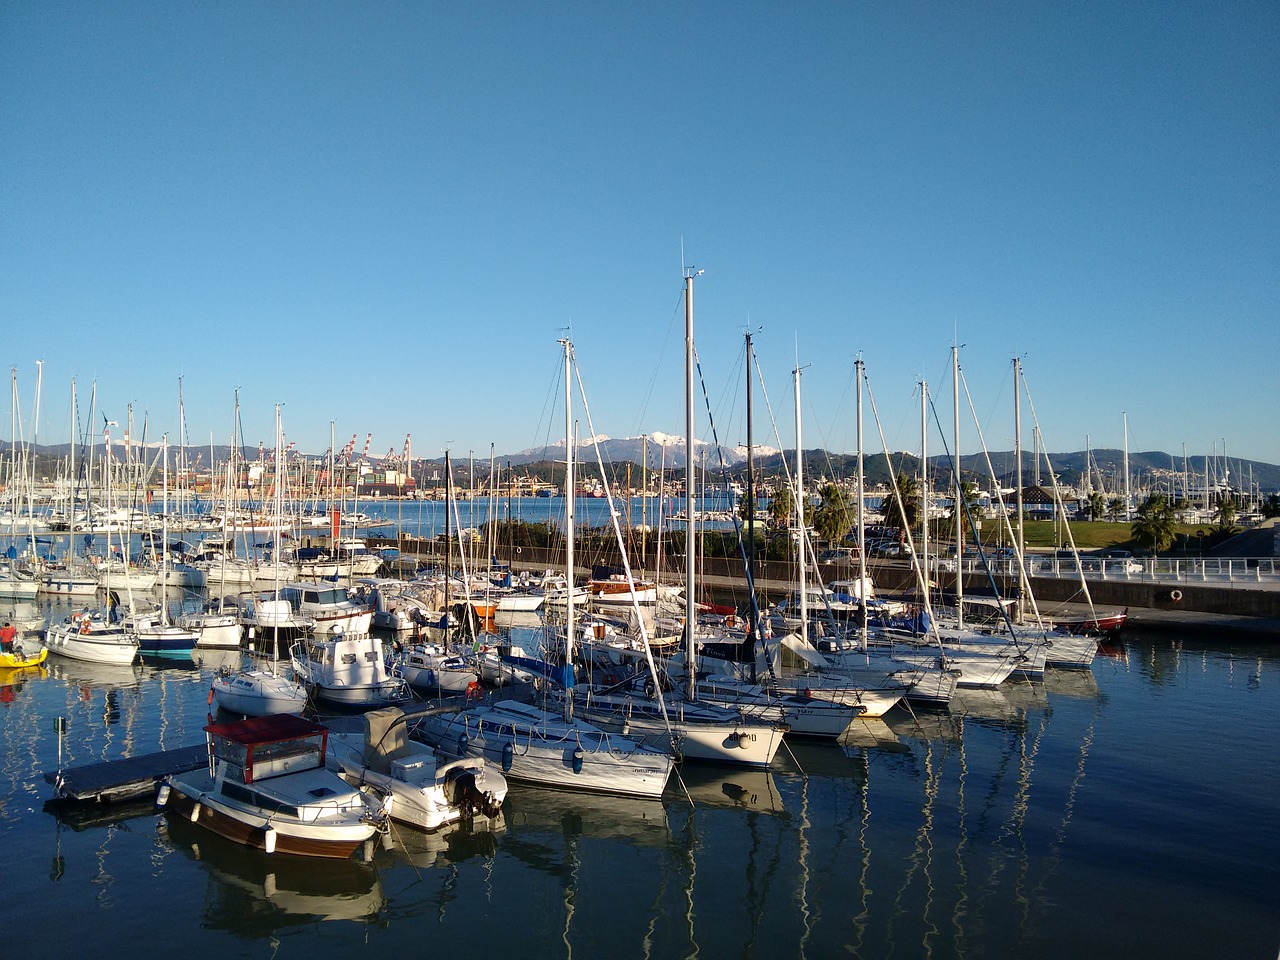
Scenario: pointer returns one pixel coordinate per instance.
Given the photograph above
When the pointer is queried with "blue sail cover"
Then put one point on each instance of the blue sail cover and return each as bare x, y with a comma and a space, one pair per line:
562, 675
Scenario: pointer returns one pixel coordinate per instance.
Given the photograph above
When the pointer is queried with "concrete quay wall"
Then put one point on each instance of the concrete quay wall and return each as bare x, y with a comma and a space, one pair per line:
724, 577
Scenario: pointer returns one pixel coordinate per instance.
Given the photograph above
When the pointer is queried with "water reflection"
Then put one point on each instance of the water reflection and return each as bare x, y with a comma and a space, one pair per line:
707, 785
440, 848
252, 894
987, 831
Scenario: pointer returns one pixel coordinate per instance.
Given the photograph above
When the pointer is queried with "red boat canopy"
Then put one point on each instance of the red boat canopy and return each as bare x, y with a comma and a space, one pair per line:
255, 731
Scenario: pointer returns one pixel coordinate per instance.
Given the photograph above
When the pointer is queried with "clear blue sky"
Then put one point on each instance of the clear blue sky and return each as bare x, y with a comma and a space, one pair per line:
385, 214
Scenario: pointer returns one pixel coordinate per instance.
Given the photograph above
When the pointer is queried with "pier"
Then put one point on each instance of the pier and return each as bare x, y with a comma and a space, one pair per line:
115, 780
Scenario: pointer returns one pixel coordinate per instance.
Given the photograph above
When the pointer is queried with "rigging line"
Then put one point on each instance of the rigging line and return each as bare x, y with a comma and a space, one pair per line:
1057, 499
752, 599
1024, 580
676, 313
626, 560
921, 580
961, 504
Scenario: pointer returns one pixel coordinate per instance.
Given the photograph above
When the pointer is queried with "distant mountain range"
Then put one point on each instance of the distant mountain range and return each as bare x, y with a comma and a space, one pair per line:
1146, 469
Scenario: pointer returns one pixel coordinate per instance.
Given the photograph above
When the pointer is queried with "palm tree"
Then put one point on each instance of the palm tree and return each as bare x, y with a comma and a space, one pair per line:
1096, 506
909, 494
1227, 510
833, 518
782, 505
1155, 521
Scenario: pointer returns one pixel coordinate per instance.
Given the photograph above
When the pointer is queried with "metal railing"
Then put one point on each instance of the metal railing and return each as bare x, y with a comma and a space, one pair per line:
1220, 570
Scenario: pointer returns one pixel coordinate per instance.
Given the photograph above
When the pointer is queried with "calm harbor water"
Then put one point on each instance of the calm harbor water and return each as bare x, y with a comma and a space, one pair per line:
1129, 811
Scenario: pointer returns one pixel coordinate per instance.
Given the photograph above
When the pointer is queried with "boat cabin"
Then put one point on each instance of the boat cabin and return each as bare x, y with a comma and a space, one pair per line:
264, 747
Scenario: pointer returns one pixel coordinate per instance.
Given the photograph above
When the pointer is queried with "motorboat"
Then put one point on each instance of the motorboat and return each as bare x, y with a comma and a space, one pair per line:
433, 669
330, 608
348, 669
423, 792
267, 786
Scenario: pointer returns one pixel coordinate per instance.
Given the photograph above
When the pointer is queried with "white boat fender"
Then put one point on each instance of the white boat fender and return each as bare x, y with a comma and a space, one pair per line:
162, 796
269, 839
195, 811
387, 802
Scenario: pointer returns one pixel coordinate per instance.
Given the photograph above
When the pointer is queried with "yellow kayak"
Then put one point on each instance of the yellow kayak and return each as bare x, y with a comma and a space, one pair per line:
11, 660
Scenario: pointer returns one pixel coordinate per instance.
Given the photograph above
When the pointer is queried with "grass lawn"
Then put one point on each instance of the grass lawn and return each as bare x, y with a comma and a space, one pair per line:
1095, 535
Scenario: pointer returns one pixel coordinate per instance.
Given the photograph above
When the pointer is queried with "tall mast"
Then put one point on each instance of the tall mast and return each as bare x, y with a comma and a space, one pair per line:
1018, 481
71, 466
1017, 453
569, 503
799, 512
862, 521
1125, 416
691, 526
959, 502
751, 517
924, 488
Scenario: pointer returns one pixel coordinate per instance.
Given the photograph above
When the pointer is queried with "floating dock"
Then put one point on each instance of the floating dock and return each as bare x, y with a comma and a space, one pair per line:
127, 778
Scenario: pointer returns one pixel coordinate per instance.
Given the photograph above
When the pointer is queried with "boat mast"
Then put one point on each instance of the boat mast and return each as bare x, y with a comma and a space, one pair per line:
568, 521
1125, 417
691, 526
924, 490
754, 628
1017, 456
799, 512
448, 536
862, 520
959, 502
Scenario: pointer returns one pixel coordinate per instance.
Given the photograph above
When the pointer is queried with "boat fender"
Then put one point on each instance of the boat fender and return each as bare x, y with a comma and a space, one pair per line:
211, 695
162, 796
269, 839
508, 756
577, 759
195, 811
462, 744
431, 678
1175, 595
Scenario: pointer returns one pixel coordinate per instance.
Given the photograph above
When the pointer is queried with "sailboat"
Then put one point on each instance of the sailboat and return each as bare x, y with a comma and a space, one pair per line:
261, 691
533, 745
698, 730
155, 632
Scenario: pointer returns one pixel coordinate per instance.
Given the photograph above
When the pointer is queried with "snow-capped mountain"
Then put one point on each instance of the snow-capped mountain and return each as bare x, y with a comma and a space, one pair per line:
661, 449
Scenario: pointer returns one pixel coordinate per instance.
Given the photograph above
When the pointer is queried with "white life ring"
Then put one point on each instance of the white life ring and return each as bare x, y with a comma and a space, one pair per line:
1175, 595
